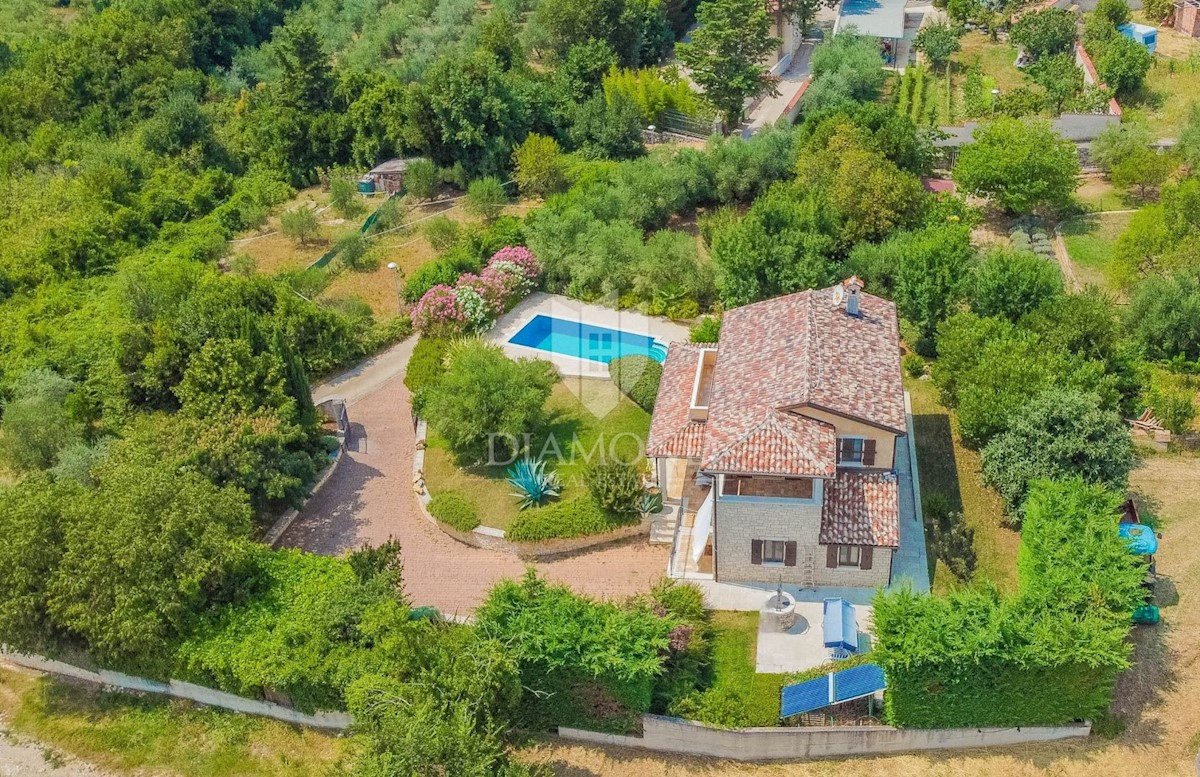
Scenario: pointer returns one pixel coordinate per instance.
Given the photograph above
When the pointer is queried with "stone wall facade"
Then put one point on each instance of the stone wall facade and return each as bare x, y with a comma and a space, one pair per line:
738, 523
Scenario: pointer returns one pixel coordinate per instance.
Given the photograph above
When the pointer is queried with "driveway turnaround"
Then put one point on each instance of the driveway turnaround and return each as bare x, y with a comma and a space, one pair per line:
370, 498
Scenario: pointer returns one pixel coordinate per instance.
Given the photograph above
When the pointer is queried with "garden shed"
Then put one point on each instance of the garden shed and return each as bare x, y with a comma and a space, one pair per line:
389, 176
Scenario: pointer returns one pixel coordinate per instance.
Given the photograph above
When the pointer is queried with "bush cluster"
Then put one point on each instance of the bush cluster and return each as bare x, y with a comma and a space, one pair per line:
451, 507
637, 377
575, 517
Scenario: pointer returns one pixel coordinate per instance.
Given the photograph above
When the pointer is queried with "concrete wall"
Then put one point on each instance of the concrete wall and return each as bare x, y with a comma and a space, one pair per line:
181, 690
673, 735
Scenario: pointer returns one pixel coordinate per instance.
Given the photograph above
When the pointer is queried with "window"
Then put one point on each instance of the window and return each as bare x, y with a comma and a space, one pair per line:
773, 551
856, 451
849, 555
851, 450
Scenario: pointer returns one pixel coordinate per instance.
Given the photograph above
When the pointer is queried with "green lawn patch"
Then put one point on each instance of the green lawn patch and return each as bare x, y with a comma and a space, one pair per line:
121, 732
586, 416
945, 465
738, 696
1089, 242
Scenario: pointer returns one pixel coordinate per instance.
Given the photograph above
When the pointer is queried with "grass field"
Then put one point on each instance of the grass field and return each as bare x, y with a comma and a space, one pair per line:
573, 426
945, 465
151, 735
1172, 85
1089, 242
996, 60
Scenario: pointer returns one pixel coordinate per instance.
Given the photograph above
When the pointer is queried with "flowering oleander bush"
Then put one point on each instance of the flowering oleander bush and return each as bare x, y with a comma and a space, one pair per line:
439, 311
521, 257
473, 303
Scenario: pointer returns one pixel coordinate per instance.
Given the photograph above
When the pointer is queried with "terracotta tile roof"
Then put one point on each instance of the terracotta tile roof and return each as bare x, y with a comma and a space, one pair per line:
861, 508
804, 350
780, 444
672, 433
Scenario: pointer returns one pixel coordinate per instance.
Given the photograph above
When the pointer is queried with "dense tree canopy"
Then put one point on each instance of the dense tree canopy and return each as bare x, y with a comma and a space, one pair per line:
1021, 165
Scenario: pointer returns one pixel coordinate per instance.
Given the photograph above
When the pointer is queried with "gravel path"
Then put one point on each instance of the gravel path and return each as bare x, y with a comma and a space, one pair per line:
20, 757
370, 498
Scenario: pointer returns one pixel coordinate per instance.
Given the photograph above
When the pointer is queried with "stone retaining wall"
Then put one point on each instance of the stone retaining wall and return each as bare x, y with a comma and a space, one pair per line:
181, 690
673, 735
493, 539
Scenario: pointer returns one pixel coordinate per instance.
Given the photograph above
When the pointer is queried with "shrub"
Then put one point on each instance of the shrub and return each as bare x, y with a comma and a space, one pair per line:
421, 179
683, 310
637, 377
706, 330
300, 224
616, 487
1173, 398
914, 365
354, 251
1013, 283
443, 272
485, 396
441, 232
533, 483
486, 198
1058, 434
576, 517
453, 509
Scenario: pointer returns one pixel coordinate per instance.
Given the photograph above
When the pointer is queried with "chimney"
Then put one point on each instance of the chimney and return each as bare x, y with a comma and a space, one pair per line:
853, 286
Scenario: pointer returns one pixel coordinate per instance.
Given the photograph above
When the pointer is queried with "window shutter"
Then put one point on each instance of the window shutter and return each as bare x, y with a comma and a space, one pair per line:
831, 554
865, 557
842, 448
756, 551
868, 452
789, 554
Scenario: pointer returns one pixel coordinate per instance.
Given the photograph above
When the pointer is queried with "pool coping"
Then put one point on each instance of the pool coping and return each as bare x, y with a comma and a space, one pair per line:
558, 306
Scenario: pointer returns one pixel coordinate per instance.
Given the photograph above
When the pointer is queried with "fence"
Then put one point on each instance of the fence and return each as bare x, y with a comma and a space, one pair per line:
180, 690
692, 126
672, 735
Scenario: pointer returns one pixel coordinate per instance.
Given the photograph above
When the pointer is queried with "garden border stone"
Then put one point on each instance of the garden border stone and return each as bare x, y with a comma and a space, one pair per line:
284, 522
491, 538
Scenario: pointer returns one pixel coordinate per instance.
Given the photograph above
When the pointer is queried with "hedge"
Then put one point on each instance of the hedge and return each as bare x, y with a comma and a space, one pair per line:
453, 509
637, 377
425, 366
1046, 655
577, 517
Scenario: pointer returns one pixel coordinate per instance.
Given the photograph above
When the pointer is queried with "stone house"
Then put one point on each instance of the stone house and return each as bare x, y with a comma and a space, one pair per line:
778, 444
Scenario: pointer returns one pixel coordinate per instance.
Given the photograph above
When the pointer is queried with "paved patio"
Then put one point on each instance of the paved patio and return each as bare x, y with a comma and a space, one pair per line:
802, 646
557, 306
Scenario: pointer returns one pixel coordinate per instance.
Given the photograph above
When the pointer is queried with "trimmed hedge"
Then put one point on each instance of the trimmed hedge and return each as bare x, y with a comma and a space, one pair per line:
425, 366
576, 517
637, 377
453, 509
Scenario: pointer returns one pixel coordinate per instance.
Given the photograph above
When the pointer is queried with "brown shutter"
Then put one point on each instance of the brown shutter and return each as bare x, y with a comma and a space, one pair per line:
841, 449
789, 554
868, 453
756, 551
865, 555
831, 554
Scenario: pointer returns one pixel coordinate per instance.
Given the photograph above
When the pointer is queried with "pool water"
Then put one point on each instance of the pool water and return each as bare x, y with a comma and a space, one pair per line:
585, 341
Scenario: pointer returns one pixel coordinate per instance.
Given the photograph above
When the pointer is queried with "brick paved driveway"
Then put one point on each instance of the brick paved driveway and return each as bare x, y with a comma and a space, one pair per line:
370, 498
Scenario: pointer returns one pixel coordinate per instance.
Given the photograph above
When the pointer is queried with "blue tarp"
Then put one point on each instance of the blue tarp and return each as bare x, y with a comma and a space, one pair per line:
840, 625
833, 688
1140, 537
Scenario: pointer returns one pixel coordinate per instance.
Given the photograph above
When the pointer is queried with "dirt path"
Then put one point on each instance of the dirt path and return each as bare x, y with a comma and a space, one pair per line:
20, 757
370, 498
1157, 699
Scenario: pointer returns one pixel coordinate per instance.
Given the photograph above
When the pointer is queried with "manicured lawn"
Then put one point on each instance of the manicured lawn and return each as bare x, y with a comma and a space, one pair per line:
1089, 242
945, 465
153, 735
587, 416
735, 645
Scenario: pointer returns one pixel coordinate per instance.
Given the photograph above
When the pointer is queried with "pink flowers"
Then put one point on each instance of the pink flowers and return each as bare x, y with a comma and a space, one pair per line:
476, 299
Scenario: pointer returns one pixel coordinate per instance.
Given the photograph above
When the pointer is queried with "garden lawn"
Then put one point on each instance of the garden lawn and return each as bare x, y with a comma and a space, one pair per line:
1172, 84
573, 426
123, 733
944, 464
996, 59
735, 647
1089, 242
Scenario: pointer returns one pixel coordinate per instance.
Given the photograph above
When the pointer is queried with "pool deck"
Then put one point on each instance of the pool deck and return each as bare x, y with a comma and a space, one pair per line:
557, 306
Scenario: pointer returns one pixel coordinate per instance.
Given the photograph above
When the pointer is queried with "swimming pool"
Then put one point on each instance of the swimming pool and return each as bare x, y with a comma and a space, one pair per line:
585, 341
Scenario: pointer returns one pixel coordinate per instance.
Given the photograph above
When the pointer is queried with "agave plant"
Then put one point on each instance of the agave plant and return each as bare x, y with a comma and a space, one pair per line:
533, 483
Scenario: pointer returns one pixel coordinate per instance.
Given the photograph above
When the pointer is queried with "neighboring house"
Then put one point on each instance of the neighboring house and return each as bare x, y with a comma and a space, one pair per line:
782, 438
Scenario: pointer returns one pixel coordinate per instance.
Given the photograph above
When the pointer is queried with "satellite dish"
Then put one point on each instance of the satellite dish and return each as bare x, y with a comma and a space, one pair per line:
839, 294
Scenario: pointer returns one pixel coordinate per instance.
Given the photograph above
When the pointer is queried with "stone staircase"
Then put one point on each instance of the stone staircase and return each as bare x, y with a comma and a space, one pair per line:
664, 524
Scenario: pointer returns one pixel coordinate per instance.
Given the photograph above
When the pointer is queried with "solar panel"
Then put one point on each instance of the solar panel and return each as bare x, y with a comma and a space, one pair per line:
857, 681
804, 697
